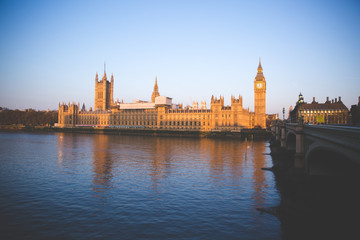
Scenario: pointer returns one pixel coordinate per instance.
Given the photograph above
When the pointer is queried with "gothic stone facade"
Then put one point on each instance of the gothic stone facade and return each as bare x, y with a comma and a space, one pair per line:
160, 113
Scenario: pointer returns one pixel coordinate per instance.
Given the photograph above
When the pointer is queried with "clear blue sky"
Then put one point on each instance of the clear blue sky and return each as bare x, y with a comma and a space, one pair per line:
50, 51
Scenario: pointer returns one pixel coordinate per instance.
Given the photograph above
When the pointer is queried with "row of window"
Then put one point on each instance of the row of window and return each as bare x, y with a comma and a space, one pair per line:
322, 111
117, 118
325, 115
189, 111
183, 123
135, 123
327, 120
227, 124
186, 118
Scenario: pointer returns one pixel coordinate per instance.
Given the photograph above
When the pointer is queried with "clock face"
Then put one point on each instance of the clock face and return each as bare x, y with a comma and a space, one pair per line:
259, 85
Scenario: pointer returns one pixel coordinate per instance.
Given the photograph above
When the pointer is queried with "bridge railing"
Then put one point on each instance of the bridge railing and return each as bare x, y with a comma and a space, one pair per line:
335, 128
346, 136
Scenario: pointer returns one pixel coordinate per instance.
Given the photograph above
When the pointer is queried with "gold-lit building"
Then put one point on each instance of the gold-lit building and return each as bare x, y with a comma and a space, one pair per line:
329, 112
161, 113
260, 98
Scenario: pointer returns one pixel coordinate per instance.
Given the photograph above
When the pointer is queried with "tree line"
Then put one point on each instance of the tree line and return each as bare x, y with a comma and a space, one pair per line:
28, 118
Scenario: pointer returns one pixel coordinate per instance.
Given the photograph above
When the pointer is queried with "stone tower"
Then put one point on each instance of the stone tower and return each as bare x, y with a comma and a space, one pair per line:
260, 98
155, 92
216, 105
103, 92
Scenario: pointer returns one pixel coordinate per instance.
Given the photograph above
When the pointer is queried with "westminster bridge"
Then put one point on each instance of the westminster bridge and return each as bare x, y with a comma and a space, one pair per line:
320, 149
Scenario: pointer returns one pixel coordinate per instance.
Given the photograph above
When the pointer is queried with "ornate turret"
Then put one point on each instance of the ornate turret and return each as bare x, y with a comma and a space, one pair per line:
155, 92
236, 101
203, 105
215, 100
301, 98
104, 78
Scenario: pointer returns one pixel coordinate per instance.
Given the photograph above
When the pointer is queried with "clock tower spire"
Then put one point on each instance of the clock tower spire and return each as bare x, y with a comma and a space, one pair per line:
260, 98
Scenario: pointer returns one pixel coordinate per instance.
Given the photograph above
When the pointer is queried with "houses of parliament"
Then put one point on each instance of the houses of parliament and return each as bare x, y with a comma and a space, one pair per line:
160, 113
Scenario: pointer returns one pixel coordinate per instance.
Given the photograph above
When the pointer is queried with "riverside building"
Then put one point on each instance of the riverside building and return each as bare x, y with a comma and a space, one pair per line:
329, 112
161, 113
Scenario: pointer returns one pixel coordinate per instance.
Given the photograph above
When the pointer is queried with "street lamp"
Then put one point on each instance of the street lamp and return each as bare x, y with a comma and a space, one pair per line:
283, 113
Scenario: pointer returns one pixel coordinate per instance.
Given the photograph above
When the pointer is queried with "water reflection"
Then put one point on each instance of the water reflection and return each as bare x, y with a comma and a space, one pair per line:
161, 159
60, 145
102, 163
223, 162
259, 179
189, 185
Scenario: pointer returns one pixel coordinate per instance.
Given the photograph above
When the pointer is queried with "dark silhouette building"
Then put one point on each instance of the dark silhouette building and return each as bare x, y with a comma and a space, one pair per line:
355, 113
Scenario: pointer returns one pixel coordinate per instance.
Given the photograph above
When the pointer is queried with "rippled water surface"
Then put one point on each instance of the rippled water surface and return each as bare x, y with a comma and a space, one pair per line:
78, 186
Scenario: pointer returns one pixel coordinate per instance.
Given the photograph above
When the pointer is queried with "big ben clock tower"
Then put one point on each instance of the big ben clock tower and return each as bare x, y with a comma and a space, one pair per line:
260, 98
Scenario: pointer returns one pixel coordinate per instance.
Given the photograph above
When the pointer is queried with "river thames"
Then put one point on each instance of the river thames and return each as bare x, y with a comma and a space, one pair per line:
80, 186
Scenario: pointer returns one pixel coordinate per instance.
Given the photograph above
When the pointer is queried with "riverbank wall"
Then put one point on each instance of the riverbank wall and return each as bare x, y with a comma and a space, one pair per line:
254, 134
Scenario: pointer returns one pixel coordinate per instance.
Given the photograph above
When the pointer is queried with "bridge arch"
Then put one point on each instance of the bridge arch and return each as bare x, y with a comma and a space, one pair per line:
291, 141
329, 161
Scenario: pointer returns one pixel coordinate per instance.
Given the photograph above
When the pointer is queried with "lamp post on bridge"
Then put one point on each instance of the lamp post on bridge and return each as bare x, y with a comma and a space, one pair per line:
283, 113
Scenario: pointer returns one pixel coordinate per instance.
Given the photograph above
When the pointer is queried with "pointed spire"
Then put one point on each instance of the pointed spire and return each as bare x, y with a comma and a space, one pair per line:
156, 88
104, 77
260, 69
112, 77
96, 77
155, 92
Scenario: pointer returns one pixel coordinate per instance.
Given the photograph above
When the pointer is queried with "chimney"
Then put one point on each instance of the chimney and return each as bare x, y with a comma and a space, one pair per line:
335, 100
339, 99
359, 100
332, 100
313, 100
327, 99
